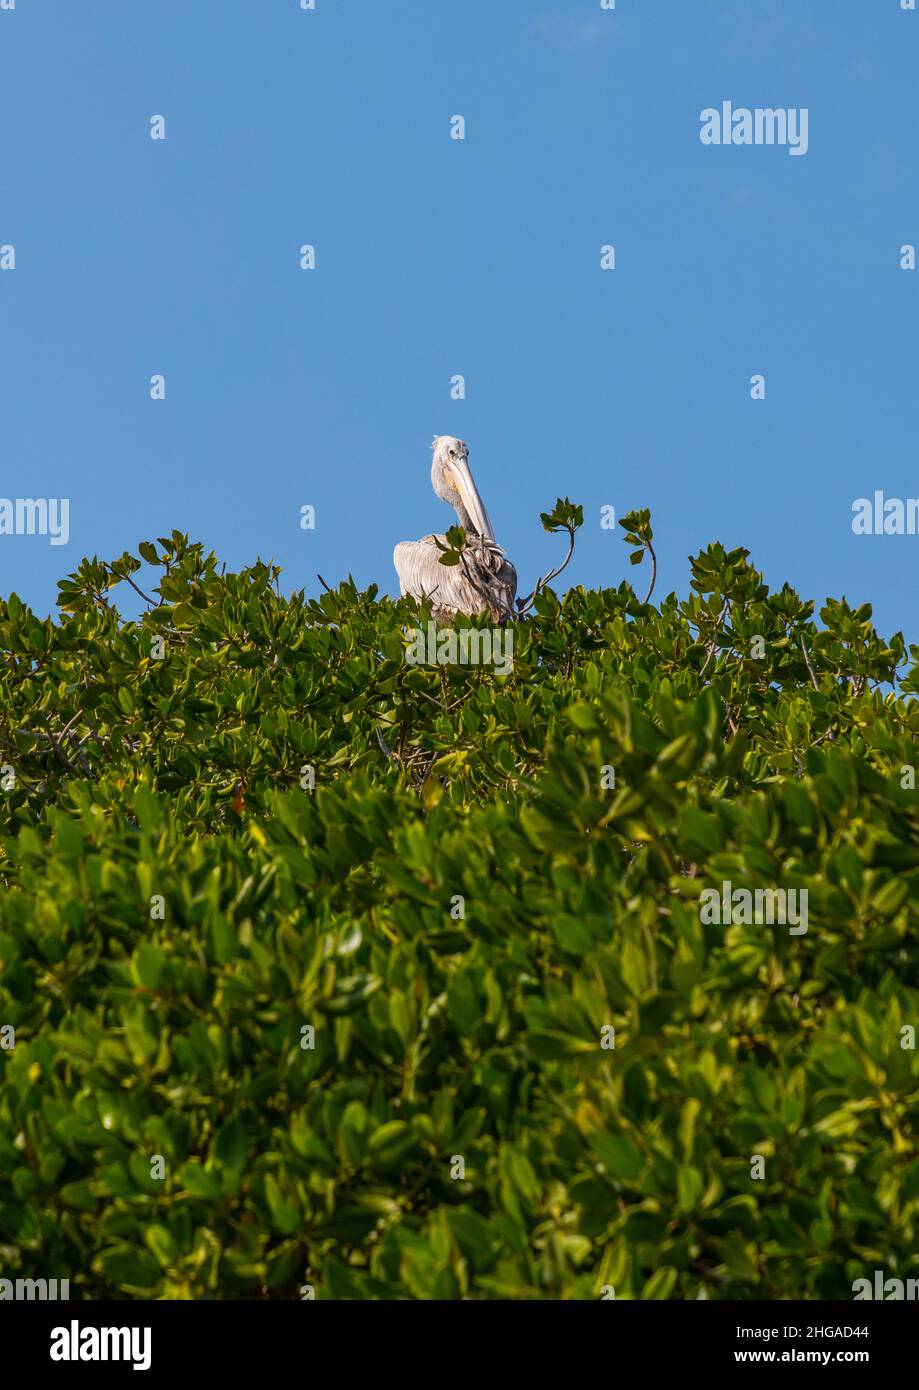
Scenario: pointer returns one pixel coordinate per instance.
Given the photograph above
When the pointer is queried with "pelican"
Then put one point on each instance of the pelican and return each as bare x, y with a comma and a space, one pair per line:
484, 580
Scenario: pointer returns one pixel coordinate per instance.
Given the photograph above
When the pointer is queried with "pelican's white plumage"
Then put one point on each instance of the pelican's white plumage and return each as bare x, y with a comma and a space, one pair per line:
486, 580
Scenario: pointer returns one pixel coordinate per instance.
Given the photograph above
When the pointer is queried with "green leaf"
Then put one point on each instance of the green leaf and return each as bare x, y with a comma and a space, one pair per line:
661, 1284
129, 1268
231, 1145
161, 1244
621, 1157
148, 965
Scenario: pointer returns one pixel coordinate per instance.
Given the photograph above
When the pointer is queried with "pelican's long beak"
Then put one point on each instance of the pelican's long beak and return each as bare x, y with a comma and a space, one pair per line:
461, 478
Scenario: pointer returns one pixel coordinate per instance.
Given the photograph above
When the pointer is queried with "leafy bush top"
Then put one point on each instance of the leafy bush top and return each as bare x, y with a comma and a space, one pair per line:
311, 955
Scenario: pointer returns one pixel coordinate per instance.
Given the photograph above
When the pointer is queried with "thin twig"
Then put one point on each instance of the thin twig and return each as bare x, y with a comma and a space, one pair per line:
146, 597
385, 746
70, 723
810, 668
650, 549
482, 593
714, 642
60, 755
524, 604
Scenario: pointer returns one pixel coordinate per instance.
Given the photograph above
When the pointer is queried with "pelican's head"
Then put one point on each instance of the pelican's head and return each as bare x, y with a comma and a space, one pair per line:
453, 483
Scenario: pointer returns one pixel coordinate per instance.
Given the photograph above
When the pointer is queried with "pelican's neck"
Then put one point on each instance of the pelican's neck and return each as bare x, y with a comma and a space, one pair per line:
464, 519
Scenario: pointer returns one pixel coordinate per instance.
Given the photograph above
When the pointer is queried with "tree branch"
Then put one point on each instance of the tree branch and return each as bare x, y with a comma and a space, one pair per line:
524, 603
650, 549
810, 668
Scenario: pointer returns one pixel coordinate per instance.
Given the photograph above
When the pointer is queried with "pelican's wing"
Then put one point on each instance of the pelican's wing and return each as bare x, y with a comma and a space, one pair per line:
487, 583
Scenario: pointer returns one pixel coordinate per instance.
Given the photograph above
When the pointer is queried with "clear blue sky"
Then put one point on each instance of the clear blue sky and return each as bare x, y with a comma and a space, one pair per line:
436, 257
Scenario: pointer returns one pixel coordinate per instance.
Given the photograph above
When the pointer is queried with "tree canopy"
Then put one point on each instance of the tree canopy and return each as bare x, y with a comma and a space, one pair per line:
324, 969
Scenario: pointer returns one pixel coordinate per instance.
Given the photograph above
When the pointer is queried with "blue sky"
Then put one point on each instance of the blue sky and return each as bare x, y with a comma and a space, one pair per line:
434, 257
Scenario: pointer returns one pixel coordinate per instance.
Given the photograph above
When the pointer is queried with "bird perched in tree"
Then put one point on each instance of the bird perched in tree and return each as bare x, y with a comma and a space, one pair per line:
484, 580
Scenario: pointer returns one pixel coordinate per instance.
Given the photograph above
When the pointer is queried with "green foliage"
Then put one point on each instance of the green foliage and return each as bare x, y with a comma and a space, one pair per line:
255, 1031
452, 552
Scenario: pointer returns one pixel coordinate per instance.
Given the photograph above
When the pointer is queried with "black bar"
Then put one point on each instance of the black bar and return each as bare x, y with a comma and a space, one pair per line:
275, 1338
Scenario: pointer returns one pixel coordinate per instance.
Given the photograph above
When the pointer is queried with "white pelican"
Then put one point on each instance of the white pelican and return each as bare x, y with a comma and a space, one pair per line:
484, 580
